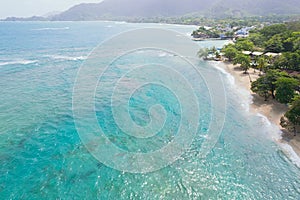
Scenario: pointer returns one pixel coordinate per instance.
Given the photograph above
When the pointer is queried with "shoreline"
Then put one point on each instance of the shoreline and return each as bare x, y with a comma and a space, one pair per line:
271, 109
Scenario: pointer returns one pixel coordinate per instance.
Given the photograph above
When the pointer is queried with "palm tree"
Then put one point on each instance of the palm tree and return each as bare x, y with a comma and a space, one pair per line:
262, 64
244, 60
203, 53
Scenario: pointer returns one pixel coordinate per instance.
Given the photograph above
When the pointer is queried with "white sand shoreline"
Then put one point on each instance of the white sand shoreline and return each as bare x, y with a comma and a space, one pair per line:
271, 109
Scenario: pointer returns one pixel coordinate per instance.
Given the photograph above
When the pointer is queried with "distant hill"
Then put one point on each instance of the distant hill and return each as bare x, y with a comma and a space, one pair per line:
133, 8
33, 18
255, 7
127, 9
167, 8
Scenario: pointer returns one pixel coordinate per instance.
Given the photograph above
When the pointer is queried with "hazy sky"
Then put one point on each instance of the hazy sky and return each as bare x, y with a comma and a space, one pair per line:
26, 8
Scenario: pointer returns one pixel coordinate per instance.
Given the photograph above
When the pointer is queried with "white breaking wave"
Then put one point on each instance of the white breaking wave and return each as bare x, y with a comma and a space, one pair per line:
276, 132
67, 58
188, 34
292, 155
121, 22
18, 62
229, 77
238, 91
164, 54
264, 119
273, 129
51, 28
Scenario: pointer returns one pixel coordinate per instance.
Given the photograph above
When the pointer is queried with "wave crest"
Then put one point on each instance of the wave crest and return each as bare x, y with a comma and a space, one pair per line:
67, 58
18, 62
51, 28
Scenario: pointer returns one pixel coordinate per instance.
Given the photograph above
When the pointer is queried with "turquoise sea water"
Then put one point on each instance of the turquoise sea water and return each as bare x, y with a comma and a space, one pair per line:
42, 156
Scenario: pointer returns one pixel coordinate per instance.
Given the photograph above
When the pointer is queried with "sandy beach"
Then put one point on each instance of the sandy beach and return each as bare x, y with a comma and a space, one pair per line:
271, 108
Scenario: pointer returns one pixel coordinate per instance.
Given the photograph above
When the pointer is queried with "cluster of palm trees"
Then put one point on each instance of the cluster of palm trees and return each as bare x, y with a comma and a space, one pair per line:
272, 82
209, 53
261, 63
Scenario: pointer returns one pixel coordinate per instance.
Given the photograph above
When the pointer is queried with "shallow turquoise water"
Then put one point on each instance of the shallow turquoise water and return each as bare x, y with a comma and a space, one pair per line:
42, 156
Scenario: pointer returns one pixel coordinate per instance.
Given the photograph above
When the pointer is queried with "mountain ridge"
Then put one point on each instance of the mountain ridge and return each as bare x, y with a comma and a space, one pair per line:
170, 8
126, 9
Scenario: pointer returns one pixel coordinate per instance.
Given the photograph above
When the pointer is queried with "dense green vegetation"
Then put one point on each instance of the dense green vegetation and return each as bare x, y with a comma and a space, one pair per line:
195, 19
293, 113
243, 60
277, 57
209, 54
205, 33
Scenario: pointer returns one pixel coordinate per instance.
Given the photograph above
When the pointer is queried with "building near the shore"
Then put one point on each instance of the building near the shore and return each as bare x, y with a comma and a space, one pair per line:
271, 54
247, 52
257, 53
243, 32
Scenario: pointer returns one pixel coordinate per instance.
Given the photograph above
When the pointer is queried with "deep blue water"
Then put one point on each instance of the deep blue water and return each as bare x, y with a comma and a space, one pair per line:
43, 157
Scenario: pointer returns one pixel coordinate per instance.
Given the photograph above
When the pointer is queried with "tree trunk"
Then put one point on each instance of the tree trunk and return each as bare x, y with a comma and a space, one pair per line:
266, 96
273, 93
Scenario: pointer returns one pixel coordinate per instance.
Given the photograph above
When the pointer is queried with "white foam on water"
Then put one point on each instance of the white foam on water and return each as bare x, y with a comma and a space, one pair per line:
67, 58
239, 92
264, 119
18, 62
273, 130
276, 133
164, 54
121, 22
229, 77
51, 28
292, 155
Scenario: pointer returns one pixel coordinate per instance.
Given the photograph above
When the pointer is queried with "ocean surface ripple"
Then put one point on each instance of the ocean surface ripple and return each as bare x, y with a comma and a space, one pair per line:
42, 156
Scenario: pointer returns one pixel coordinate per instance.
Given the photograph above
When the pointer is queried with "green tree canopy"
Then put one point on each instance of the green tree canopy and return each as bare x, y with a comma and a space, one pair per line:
288, 60
230, 52
275, 44
262, 63
285, 89
257, 39
274, 29
296, 40
244, 45
262, 87
293, 114
293, 26
272, 76
243, 60
293, 60
203, 53
266, 84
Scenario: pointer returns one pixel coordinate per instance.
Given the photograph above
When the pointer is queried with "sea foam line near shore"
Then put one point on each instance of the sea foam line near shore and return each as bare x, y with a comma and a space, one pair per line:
247, 98
18, 62
66, 58
241, 89
54, 57
51, 29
